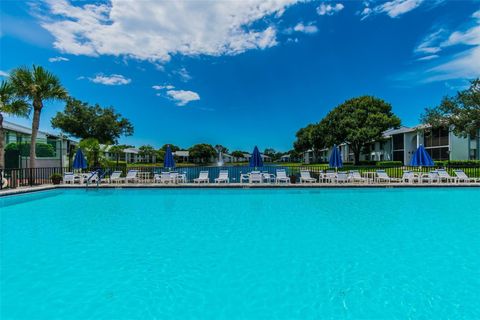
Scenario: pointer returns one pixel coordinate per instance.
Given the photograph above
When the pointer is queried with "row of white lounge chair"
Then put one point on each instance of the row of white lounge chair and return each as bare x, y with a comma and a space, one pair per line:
353, 176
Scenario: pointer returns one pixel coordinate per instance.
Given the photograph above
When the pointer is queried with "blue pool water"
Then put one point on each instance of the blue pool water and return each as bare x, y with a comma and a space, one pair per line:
241, 254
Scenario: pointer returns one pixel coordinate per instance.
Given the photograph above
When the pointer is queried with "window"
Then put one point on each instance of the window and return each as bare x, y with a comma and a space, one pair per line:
473, 146
398, 155
436, 137
398, 142
439, 154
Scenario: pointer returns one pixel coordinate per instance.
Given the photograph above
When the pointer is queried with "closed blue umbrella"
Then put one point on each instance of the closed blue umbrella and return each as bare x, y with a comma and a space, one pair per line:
421, 158
168, 162
335, 158
256, 159
79, 162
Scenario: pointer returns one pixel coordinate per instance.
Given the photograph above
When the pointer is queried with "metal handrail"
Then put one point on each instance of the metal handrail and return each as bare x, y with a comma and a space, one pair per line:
100, 177
91, 176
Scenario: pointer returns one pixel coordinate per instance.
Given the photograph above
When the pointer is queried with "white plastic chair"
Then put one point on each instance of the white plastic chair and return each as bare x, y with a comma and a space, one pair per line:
69, 177
282, 176
444, 176
222, 177
131, 176
382, 176
255, 177
342, 177
355, 176
408, 177
116, 176
462, 176
305, 177
202, 177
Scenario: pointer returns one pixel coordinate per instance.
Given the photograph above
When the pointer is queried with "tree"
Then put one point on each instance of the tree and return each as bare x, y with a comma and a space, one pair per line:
221, 148
202, 152
84, 121
94, 153
117, 150
237, 154
462, 111
147, 151
274, 155
311, 137
172, 147
12, 105
304, 139
358, 121
36, 86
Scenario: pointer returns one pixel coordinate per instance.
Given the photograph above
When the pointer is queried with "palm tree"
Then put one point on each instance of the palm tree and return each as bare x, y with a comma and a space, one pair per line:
12, 105
36, 85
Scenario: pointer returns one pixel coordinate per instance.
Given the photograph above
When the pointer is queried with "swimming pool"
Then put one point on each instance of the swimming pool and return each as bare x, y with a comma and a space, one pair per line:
241, 254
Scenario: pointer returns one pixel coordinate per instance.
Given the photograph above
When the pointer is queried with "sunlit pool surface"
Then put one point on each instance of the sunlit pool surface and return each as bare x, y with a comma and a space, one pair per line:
241, 254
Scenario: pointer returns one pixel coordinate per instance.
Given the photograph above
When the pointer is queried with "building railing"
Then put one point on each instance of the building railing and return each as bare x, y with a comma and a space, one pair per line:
38, 176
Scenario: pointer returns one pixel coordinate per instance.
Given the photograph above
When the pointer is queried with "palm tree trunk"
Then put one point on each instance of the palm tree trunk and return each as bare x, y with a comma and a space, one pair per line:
2, 144
33, 140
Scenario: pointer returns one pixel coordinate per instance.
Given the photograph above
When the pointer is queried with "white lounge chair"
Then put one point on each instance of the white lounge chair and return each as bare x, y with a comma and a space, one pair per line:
409, 177
282, 176
305, 177
462, 176
181, 178
222, 177
342, 177
255, 177
69, 177
167, 177
116, 177
431, 177
355, 176
444, 176
202, 177
244, 177
268, 178
131, 176
382, 176
329, 176
156, 178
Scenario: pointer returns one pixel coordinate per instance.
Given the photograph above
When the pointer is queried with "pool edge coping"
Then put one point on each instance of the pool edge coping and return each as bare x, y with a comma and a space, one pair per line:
33, 189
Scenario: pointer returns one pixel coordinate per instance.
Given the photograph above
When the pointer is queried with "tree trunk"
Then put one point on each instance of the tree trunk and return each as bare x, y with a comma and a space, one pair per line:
37, 107
357, 157
356, 154
2, 145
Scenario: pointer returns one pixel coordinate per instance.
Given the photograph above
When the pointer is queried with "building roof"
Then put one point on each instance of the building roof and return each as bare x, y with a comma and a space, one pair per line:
7, 125
181, 153
402, 129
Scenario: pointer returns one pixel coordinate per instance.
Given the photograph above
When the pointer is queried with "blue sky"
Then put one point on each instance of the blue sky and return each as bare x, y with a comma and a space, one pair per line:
243, 73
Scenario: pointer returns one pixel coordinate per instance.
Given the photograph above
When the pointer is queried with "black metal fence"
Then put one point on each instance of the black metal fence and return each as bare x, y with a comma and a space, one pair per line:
38, 176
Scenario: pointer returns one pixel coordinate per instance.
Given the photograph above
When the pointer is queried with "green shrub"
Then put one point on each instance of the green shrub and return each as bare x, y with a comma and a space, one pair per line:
458, 163
56, 178
42, 150
389, 163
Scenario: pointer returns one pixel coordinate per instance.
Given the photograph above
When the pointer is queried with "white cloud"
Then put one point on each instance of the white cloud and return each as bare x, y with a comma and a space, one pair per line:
4, 74
463, 64
309, 29
183, 74
111, 80
393, 8
182, 97
168, 87
429, 46
156, 30
328, 9
57, 59
429, 57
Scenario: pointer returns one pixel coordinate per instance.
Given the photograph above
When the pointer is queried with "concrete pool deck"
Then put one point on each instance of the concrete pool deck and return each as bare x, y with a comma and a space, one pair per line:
21, 190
